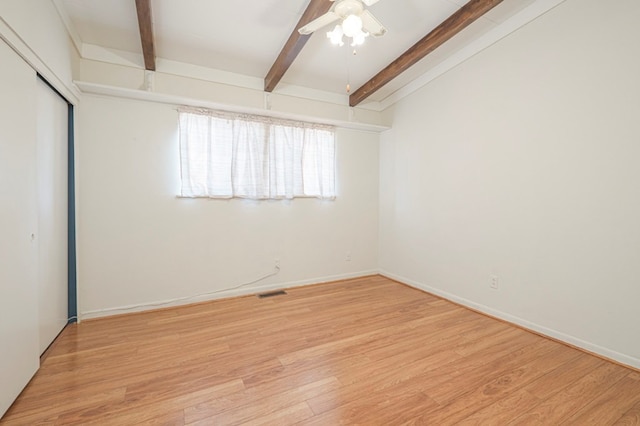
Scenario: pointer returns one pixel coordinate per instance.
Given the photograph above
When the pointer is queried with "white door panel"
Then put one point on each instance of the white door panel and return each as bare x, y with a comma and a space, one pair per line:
52, 213
19, 333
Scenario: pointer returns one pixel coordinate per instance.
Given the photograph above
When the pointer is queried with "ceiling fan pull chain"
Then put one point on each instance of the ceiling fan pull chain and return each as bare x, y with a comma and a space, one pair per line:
349, 73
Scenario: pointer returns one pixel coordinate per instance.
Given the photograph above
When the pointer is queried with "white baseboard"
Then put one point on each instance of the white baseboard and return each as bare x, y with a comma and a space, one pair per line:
554, 334
222, 294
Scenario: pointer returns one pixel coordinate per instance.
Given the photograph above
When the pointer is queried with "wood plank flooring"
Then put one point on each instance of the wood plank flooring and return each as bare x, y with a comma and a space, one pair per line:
366, 351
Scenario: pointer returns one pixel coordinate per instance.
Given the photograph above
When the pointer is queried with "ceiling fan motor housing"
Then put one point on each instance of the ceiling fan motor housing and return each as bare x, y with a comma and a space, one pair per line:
344, 8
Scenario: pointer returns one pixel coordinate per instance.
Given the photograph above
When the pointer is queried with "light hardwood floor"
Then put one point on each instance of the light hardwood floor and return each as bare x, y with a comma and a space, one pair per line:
365, 351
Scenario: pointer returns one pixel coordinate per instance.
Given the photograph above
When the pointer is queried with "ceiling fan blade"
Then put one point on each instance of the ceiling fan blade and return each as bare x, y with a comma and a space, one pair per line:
371, 25
319, 22
369, 2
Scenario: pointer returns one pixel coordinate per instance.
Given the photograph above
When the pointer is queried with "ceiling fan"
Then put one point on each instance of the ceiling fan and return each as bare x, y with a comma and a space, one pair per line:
355, 22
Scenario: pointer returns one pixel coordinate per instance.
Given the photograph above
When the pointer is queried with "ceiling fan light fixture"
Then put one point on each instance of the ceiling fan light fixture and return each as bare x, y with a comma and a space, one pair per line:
358, 39
354, 22
352, 25
336, 36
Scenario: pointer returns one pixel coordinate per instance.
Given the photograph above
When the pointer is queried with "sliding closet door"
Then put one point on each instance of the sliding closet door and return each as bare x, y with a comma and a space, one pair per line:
18, 223
51, 114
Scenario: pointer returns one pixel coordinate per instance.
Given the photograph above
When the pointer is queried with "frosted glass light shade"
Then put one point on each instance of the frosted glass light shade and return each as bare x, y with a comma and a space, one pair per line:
336, 36
352, 25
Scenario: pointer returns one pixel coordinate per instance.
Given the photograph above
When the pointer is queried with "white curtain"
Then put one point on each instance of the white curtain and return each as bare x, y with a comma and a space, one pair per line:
225, 155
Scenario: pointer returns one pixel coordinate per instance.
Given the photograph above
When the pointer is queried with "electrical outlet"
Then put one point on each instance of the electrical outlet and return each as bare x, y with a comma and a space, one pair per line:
348, 257
493, 282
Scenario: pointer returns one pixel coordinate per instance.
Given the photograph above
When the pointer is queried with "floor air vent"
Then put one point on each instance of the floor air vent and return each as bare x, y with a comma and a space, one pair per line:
272, 293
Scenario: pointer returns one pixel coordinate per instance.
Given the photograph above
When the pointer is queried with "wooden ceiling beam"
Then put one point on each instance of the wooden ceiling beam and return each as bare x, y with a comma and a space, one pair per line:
146, 34
467, 14
294, 44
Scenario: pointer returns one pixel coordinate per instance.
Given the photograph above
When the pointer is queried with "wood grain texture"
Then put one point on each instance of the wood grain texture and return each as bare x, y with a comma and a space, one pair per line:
145, 24
465, 16
294, 44
362, 351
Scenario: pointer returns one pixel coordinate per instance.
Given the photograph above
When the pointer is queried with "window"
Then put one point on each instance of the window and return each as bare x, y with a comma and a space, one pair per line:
226, 155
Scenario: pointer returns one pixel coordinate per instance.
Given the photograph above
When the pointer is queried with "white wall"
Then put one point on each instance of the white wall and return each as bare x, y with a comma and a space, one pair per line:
139, 243
523, 163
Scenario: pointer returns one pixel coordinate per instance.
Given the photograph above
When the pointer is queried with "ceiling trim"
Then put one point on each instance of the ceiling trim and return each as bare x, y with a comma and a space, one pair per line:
294, 44
93, 52
165, 98
143, 7
455, 23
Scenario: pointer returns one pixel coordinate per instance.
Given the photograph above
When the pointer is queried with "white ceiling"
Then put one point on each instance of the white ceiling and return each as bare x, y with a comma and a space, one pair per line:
245, 36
